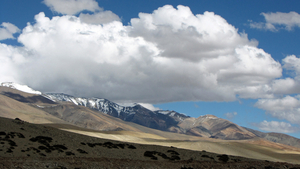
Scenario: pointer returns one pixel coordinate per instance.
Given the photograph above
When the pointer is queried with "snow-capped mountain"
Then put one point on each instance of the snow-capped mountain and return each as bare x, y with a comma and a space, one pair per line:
23, 88
160, 119
106, 106
102, 105
206, 126
54, 105
175, 115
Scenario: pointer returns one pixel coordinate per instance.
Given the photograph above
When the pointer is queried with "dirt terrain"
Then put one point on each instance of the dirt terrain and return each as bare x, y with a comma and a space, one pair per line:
25, 145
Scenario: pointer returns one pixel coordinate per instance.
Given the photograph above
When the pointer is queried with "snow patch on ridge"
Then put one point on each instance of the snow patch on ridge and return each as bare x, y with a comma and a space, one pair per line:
208, 116
23, 88
165, 112
111, 108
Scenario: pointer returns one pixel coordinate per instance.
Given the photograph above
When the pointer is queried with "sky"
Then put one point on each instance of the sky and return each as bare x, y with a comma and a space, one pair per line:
238, 60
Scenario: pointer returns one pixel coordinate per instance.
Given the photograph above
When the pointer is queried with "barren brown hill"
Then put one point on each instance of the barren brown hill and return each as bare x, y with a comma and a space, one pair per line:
79, 119
204, 126
68, 113
91, 119
11, 108
23, 96
38, 109
214, 127
277, 138
164, 120
86, 118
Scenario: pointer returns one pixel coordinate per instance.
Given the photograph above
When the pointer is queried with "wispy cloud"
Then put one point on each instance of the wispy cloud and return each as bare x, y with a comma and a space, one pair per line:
231, 115
149, 106
275, 126
277, 21
7, 30
72, 7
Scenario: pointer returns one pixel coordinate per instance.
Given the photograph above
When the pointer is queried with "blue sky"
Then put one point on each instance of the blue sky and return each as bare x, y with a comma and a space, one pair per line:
238, 61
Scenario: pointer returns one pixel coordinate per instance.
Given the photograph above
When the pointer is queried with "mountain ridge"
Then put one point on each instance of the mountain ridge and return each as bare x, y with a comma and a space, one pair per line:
164, 120
207, 126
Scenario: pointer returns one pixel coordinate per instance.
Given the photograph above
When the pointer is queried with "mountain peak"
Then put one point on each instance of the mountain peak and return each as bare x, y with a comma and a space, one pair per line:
23, 88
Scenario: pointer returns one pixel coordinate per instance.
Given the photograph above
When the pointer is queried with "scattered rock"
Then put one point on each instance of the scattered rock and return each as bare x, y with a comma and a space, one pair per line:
131, 147
9, 150
173, 158
42, 139
82, 151
206, 156
173, 152
18, 121
31, 149
58, 147
47, 150
110, 145
11, 143
69, 153
152, 154
42, 154
223, 158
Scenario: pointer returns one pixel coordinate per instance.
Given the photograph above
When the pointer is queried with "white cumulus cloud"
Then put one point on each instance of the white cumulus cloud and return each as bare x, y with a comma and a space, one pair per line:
11, 60
7, 30
278, 20
204, 35
287, 108
275, 126
289, 85
72, 7
168, 55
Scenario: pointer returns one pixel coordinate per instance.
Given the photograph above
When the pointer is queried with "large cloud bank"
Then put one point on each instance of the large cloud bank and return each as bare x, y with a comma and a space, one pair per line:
168, 55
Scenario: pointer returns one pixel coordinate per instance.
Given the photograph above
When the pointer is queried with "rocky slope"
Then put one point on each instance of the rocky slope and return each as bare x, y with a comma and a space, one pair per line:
277, 137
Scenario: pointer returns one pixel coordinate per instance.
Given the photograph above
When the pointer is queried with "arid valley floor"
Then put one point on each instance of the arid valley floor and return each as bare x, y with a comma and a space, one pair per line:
25, 145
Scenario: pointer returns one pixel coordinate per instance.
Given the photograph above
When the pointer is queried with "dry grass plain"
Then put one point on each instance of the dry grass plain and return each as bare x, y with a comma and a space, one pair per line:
255, 148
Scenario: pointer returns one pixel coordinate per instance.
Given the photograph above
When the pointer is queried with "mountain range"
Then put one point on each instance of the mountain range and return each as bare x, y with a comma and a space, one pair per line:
101, 114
